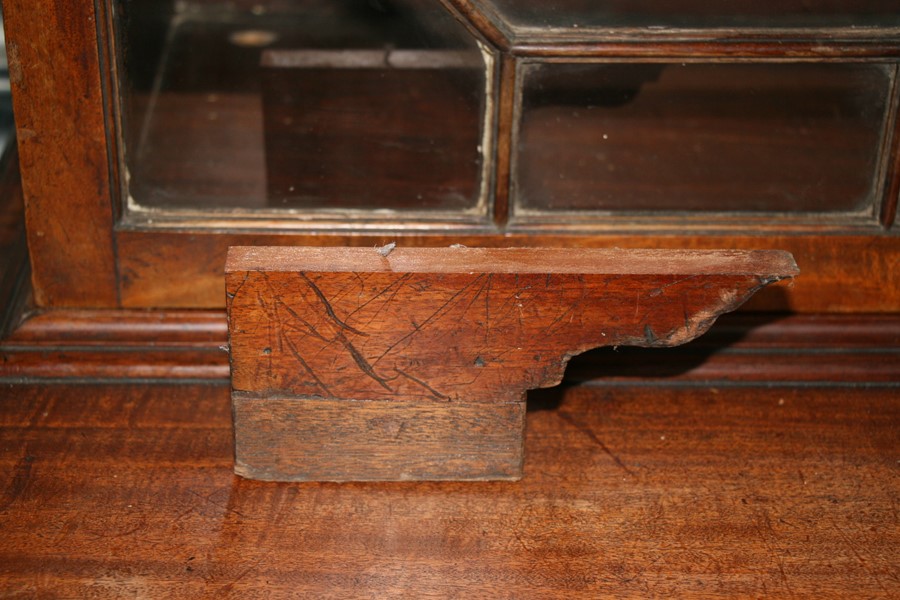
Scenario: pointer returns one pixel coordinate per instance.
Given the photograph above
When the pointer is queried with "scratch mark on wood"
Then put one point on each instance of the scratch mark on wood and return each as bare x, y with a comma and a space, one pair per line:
487, 301
344, 291
767, 534
208, 499
307, 325
20, 479
659, 290
231, 295
305, 365
433, 391
328, 308
504, 309
228, 587
855, 551
394, 285
435, 315
475, 296
570, 310
362, 363
388, 301
272, 323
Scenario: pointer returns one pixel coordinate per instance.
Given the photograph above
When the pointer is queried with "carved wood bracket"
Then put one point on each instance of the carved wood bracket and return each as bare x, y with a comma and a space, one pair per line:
460, 327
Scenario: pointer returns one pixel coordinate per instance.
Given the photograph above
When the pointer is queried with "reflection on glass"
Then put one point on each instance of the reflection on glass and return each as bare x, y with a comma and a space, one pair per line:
300, 104
700, 137
536, 15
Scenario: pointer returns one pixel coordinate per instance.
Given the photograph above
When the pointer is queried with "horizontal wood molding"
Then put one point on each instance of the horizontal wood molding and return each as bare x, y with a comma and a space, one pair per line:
693, 45
841, 273
121, 328
743, 348
117, 344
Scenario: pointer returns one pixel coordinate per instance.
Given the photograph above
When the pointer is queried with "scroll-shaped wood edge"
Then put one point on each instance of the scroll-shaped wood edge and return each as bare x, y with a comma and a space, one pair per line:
313, 322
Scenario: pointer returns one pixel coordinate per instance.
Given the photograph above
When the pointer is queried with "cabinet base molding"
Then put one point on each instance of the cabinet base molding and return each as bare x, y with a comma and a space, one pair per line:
740, 349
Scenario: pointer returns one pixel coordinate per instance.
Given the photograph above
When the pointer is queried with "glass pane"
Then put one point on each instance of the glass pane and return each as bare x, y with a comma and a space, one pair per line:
700, 137
534, 15
301, 104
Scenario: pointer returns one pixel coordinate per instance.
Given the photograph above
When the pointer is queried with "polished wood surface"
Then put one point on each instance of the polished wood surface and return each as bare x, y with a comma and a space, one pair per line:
54, 71
127, 490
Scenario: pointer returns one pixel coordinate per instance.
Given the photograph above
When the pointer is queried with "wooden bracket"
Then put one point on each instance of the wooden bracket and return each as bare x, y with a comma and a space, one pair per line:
353, 364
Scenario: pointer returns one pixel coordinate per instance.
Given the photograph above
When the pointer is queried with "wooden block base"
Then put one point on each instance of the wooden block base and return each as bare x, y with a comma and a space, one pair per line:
309, 439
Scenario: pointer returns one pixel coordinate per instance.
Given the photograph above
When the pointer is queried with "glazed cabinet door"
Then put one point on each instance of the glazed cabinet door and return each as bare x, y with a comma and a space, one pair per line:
155, 134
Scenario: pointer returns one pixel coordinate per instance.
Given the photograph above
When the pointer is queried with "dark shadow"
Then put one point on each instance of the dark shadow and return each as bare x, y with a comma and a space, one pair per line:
608, 86
773, 300
630, 364
547, 398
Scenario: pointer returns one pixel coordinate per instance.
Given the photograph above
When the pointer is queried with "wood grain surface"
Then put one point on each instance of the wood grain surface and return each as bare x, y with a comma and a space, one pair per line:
281, 438
739, 348
841, 273
55, 74
451, 324
128, 491
359, 364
